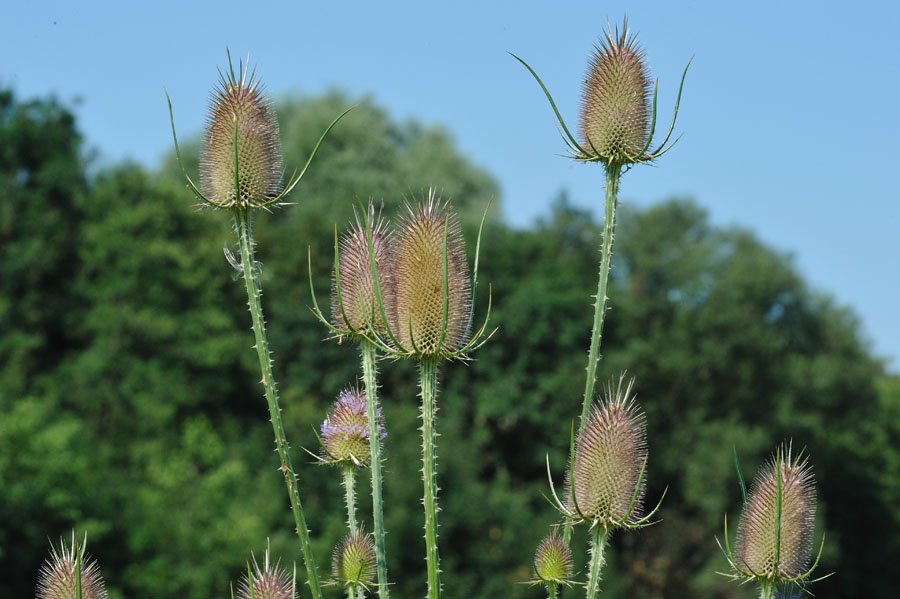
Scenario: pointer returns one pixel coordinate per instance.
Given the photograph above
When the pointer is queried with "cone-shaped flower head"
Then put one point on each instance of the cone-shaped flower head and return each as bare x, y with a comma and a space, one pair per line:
353, 562
268, 582
761, 551
553, 559
241, 114
615, 108
610, 454
423, 319
57, 576
356, 308
345, 432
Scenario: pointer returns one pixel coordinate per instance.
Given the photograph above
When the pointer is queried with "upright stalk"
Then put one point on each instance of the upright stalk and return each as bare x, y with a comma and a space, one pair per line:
766, 590
598, 544
251, 279
613, 172
552, 590
350, 496
369, 372
428, 382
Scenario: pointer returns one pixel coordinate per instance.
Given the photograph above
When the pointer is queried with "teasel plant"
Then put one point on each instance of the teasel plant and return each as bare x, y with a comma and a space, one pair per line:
241, 172
604, 482
346, 438
353, 563
69, 573
617, 127
775, 532
270, 581
553, 564
424, 310
354, 308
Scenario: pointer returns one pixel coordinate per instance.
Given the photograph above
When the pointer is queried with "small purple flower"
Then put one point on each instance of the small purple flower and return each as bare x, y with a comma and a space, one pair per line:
345, 431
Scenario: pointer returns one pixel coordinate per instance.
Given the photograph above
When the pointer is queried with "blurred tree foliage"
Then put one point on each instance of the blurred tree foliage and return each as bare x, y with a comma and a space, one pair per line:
128, 403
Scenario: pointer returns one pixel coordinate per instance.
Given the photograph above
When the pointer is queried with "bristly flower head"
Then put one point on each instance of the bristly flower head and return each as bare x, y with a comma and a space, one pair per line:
268, 582
353, 562
241, 163
345, 431
57, 578
605, 480
553, 560
615, 105
354, 300
428, 257
775, 532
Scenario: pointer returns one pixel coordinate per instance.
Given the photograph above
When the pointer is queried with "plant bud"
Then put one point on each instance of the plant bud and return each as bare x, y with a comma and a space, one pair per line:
57, 576
269, 582
758, 549
354, 559
358, 296
610, 452
240, 113
418, 281
615, 106
345, 432
553, 559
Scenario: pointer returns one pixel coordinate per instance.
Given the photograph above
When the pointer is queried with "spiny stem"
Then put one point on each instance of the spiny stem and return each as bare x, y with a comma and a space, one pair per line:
598, 544
613, 172
428, 383
350, 496
552, 590
766, 589
369, 372
254, 295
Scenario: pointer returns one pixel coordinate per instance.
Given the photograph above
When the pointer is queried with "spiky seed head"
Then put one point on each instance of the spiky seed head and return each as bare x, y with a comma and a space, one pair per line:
757, 550
553, 559
615, 104
239, 108
269, 582
417, 276
610, 452
57, 578
353, 562
345, 431
357, 285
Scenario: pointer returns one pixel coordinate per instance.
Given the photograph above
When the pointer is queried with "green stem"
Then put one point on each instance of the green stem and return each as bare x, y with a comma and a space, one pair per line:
613, 172
598, 544
552, 590
251, 279
428, 382
766, 589
369, 373
350, 496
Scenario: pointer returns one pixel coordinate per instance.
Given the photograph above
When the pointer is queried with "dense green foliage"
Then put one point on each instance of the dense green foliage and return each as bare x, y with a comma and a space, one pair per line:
129, 408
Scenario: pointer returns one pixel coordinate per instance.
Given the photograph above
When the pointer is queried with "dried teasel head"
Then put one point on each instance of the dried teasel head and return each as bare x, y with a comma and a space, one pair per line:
616, 110
553, 560
428, 258
269, 582
783, 490
354, 299
241, 163
57, 579
353, 562
604, 484
345, 431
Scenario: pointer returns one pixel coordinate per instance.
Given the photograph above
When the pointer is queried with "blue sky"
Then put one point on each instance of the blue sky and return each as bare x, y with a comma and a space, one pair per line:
790, 111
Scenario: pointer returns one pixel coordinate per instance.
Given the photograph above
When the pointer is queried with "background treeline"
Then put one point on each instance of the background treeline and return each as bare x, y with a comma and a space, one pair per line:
129, 405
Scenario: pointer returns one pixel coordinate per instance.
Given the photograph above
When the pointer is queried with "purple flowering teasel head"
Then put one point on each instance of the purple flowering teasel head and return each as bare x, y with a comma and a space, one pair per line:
345, 431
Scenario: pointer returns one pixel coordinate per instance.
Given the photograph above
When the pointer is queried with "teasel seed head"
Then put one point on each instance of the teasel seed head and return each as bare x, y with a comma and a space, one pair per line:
241, 114
57, 578
606, 485
615, 109
268, 582
553, 560
356, 308
353, 562
417, 316
758, 552
345, 431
